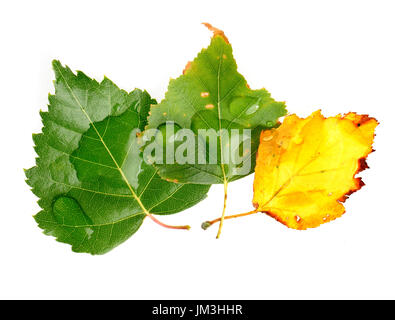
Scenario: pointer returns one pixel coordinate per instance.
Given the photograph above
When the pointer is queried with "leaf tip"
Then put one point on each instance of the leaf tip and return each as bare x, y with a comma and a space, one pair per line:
216, 31
56, 64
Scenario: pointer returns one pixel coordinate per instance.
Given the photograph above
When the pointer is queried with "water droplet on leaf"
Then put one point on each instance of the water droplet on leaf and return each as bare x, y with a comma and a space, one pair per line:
242, 105
251, 110
267, 135
67, 211
297, 139
269, 124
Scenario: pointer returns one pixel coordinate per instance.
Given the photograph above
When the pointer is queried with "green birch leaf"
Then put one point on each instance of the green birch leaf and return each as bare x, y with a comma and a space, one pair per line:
94, 187
211, 94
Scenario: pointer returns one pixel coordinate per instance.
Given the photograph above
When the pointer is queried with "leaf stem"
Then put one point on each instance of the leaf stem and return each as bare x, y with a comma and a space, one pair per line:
221, 220
207, 224
166, 225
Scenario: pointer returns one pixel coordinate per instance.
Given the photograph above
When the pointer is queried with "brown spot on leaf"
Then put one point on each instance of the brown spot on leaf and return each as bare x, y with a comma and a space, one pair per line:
187, 67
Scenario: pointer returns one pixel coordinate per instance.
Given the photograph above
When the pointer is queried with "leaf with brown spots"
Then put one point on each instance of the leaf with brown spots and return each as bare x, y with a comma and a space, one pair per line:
306, 168
212, 95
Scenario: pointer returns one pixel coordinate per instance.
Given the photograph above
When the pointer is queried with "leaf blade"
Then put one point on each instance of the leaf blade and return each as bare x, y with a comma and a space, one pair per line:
90, 165
211, 94
307, 167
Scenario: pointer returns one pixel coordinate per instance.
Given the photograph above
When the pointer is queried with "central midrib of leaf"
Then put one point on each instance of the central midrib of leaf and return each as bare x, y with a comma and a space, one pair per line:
104, 144
219, 113
225, 180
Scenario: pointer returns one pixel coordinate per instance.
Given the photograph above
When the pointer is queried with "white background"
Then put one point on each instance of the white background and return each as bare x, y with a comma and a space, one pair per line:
334, 55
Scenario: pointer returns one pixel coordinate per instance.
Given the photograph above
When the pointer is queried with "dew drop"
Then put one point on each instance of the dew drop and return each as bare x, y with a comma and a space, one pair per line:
67, 211
252, 109
269, 124
267, 136
298, 140
246, 105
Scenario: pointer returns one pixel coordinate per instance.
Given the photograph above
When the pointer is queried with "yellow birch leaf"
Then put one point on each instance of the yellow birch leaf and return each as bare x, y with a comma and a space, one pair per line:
306, 168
